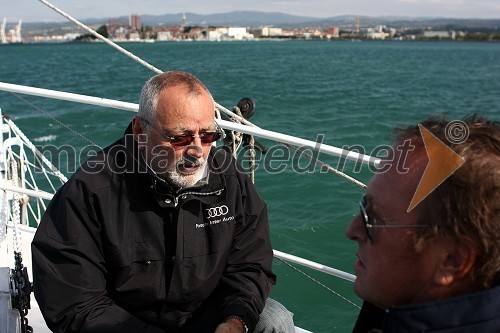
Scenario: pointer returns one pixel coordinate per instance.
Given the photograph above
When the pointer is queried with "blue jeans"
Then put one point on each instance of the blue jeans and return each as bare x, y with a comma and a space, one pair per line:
275, 318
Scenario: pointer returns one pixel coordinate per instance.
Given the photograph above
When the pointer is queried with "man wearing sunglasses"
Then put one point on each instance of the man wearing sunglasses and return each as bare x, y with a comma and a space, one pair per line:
433, 267
160, 232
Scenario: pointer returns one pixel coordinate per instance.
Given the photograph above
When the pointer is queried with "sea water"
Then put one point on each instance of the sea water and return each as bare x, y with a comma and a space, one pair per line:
339, 92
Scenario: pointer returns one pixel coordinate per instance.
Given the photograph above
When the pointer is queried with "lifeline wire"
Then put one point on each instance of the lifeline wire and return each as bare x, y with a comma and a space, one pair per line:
319, 283
56, 120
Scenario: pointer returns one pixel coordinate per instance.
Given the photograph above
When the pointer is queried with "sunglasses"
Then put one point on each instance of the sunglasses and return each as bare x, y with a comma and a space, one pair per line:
370, 224
206, 138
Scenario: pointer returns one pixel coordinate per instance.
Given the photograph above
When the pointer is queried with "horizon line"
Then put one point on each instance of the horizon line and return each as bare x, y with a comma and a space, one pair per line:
314, 18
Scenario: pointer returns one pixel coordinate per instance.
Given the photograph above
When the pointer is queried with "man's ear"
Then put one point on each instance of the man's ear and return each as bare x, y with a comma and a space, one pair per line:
456, 262
137, 128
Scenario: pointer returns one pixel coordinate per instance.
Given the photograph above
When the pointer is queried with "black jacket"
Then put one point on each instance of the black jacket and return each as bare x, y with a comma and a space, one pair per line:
119, 251
470, 313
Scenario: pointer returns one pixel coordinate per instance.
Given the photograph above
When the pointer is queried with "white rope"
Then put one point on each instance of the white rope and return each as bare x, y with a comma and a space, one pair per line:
4, 214
16, 209
251, 150
237, 136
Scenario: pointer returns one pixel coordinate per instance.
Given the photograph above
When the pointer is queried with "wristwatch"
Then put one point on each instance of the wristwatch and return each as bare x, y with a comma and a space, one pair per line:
241, 321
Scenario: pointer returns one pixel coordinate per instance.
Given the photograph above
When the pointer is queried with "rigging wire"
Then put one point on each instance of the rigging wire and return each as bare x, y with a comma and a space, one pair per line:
218, 107
101, 37
127, 53
45, 113
329, 167
319, 283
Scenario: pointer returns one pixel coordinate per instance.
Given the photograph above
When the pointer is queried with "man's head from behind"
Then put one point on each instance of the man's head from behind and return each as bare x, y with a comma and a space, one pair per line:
449, 244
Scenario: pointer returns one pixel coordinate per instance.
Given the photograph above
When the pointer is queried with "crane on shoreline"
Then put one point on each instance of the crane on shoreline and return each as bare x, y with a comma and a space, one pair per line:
13, 36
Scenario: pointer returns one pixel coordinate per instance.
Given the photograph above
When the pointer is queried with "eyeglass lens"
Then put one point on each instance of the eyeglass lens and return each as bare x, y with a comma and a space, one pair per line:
364, 216
186, 139
206, 138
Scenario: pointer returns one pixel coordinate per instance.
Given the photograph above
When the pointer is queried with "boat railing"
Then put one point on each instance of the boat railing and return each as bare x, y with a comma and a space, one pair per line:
229, 125
24, 171
22, 199
31, 190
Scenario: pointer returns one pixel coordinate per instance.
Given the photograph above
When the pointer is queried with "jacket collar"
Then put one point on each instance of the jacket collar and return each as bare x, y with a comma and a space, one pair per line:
479, 307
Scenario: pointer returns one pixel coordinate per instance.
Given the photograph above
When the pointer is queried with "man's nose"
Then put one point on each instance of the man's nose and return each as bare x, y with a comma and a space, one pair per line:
355, 230
195, 148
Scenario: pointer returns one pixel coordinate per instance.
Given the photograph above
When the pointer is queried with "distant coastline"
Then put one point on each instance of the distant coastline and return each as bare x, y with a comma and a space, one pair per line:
251, 25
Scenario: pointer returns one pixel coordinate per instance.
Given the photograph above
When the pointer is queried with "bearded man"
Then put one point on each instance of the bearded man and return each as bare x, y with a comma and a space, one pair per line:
160, 231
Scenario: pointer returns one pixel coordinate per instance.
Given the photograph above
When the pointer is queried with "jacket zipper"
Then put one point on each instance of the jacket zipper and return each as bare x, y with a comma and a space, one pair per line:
185, 194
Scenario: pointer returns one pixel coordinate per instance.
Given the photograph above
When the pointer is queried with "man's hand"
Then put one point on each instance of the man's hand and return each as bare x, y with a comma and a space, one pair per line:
232, 325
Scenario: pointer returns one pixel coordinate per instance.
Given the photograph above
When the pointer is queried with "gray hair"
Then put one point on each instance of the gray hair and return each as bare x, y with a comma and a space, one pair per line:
154, 86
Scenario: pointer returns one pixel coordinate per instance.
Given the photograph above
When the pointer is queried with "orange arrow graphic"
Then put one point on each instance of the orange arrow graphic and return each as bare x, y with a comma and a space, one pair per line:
443, 162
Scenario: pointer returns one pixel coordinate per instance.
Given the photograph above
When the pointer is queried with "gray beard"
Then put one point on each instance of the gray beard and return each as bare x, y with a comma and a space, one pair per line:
178, 179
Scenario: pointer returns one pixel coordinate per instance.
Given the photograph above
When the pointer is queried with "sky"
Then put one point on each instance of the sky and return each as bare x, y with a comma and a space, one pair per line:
36, 11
